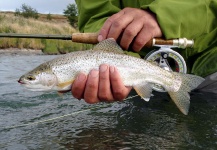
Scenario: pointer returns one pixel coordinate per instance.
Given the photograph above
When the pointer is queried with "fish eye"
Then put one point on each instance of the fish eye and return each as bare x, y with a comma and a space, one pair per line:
30, 78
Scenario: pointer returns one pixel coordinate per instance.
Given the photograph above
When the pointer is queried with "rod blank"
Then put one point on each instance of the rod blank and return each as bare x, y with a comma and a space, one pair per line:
36, 36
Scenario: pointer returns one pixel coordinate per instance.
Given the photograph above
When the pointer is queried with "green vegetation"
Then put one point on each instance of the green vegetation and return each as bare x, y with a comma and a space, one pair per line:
27, 12
71, 12
49, 17
58, 25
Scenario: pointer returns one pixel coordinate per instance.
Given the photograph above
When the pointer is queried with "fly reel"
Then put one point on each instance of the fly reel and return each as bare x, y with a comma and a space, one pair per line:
169, 59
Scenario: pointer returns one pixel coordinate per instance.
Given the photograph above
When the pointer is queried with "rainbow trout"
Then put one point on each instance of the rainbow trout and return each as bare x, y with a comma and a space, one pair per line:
59, 73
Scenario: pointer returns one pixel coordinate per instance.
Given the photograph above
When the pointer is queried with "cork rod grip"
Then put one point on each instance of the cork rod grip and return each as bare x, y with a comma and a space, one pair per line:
88, 38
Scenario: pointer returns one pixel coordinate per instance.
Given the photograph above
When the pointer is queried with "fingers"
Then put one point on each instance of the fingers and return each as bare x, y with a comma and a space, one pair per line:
104, 91
141, 39
118, 26
130, 33
132, 26
91, 89
149, 30
86, 87
78, 86
103, 34
103, 85
119, 91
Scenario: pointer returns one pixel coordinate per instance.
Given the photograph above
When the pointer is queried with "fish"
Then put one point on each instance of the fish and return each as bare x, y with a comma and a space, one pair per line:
59, 73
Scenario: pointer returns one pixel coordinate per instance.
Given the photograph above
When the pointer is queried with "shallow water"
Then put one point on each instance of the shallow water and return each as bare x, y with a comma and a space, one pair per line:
132, 124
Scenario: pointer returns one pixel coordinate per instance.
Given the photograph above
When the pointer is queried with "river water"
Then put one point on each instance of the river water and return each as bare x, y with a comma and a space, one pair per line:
35, 120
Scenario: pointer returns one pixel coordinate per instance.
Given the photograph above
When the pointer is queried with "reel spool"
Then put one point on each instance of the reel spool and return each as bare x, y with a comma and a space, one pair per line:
165, 56
167, 59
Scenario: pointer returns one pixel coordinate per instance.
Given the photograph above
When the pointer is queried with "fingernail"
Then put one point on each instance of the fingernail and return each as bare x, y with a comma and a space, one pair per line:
100, 38
112, 69
94, 73
81, 77
103, 68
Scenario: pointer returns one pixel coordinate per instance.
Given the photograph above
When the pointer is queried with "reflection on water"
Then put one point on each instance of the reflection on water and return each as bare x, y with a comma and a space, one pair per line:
133, 124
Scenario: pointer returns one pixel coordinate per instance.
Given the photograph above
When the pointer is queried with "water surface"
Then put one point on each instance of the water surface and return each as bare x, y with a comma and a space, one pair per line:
132, 124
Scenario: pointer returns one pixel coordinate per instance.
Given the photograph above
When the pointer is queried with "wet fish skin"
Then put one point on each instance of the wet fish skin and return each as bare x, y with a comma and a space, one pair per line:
59, 73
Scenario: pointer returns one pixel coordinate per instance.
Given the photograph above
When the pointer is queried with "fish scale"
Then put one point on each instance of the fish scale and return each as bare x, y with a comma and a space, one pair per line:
59, 73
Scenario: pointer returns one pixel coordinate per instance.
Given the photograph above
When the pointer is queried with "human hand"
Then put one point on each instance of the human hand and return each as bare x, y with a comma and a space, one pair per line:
104, 84
132, 26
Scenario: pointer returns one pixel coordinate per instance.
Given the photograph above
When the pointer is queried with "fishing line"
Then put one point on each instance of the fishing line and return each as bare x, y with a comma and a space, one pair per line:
60, 117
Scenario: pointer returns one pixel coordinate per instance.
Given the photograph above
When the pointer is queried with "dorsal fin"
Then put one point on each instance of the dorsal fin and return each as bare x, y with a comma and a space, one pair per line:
109, 45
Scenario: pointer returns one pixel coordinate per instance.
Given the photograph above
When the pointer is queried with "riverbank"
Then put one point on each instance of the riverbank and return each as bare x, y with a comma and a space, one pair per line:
17, 51
58, 25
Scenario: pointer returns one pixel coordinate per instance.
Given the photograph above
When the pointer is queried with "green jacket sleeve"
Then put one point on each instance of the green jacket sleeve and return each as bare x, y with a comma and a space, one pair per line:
93, 13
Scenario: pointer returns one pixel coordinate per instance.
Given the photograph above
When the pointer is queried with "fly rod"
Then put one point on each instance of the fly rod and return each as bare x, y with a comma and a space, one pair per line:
91, 38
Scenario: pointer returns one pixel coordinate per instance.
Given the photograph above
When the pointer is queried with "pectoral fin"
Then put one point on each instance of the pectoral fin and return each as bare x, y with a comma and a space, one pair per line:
144, 90
65, 85
60, 94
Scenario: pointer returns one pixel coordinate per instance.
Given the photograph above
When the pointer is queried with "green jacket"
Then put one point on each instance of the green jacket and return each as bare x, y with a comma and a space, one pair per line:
193, 19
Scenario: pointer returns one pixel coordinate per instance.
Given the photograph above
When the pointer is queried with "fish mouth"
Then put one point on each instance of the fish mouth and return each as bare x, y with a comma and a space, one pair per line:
20, 81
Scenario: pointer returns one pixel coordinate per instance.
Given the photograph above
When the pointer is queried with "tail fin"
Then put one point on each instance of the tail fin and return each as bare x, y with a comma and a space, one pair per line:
181, 98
